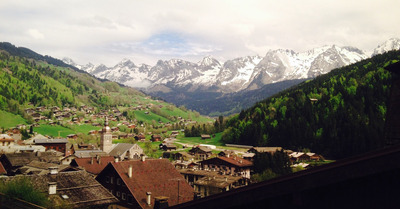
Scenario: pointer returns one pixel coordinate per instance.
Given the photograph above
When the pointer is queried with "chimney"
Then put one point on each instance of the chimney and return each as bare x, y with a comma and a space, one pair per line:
52, 187
99, 160
130, 171
161, 202
143, 158
116, 159
53, 170
148, 200
91, 160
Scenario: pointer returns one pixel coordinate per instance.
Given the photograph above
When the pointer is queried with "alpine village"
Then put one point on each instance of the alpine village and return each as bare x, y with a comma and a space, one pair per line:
71, 140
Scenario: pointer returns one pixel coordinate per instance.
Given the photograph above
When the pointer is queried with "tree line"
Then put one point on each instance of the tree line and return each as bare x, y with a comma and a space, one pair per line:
338, 114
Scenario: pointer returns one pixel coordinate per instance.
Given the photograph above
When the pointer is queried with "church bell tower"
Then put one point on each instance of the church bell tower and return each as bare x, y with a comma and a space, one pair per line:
106, 138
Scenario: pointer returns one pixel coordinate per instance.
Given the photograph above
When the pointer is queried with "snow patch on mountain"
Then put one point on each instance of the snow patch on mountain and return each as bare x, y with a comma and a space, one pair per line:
242, 73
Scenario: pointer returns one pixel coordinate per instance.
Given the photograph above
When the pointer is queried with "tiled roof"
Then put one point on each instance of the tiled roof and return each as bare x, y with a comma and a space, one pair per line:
89, 153
157, 176
98, 163
120, 149
50, 141
21, 159
80, 187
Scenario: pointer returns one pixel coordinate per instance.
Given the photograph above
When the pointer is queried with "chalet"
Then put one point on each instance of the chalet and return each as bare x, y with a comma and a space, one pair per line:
138, 183
93, 165
168, 146
227, 153
200, 152
56, 144
299, 157
248, 156
93, 132
6, 140
55, 109
155, 138
174, 134
29, 111
314, 156
96, 124
205, 136
183, 156
131, 126
180, 164
35, 115
228, 165
41, 108
114, 129
75, 189
124, 151
72, 136
15, 133
264, 149
208, 185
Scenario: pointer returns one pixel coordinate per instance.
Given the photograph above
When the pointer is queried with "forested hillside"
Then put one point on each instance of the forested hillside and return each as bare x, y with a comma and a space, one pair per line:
27, 80
339, 114
24, 81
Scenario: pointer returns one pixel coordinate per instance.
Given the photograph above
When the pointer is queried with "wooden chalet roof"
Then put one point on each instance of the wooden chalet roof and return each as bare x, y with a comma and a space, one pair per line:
93, 165
236, 161
157, 176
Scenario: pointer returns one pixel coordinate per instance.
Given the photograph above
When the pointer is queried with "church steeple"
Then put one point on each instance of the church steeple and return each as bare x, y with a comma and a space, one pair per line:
106, 137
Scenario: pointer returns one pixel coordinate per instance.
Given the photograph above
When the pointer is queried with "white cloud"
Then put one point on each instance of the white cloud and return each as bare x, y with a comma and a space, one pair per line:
102, 31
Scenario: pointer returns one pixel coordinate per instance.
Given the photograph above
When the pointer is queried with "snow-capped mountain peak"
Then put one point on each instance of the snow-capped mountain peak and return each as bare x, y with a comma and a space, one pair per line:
389, 45
237, 74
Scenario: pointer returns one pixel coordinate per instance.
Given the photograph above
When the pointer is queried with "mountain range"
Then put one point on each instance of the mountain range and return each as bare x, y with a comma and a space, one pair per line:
179, 78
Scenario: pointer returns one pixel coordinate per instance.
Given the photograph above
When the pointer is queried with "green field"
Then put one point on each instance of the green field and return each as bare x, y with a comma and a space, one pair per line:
84, 128
9, 120
141, 116
197, 140
53, 131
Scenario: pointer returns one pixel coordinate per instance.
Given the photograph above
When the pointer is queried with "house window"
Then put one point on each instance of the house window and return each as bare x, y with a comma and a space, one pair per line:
123, 196
107, 179
118, 194
112, 180
118, 181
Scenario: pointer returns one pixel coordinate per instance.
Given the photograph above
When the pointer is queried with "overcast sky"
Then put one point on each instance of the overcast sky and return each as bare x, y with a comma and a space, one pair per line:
148, 30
